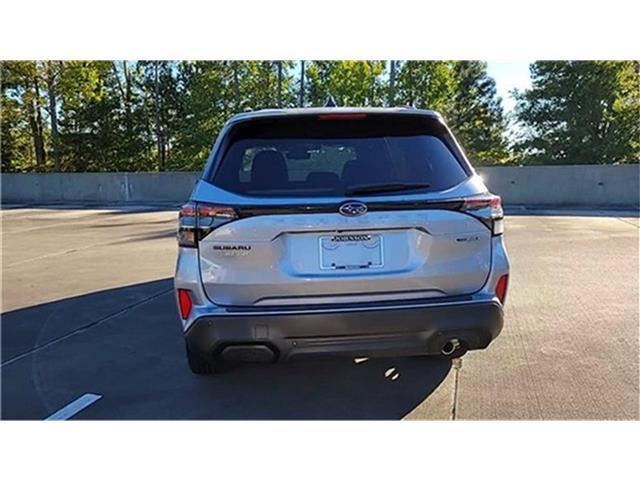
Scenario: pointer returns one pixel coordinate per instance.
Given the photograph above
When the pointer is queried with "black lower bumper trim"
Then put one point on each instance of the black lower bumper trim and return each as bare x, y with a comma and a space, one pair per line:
384, 332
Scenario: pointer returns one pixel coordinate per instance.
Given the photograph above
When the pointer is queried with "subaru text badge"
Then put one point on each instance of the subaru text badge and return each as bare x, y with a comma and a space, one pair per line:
353, 209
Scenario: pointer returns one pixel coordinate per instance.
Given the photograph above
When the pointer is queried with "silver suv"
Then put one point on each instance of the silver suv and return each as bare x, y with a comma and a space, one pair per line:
338, 231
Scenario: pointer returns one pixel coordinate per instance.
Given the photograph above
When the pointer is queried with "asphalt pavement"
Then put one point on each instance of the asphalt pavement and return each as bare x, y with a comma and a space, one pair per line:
90, 331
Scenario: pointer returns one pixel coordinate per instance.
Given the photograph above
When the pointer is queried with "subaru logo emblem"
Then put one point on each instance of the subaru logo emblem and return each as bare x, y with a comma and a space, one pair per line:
353, 209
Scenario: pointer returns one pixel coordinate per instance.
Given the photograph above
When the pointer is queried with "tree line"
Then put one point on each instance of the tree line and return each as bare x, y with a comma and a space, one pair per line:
75, 116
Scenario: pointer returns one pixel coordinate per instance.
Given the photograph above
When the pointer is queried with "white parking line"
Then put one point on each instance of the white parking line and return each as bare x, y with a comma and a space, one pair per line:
74, 407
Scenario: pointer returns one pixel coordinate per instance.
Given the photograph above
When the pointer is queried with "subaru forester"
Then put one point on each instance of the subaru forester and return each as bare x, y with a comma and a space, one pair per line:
358, 232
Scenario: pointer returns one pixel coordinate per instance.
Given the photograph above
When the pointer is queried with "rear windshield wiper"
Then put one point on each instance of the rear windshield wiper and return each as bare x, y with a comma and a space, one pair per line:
383, 188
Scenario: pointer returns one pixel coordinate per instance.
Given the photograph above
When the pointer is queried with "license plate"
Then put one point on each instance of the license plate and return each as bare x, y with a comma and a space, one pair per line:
351, 251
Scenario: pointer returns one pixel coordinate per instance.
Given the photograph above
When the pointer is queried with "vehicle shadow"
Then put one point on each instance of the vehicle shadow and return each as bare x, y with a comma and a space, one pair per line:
126, 345
375, 389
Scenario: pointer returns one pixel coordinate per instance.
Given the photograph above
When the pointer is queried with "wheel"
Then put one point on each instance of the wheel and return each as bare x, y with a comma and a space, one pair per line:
199, 364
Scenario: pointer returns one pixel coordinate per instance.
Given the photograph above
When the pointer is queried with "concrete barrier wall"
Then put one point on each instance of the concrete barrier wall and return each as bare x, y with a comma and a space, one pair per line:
592, 186
132, 188
579, 185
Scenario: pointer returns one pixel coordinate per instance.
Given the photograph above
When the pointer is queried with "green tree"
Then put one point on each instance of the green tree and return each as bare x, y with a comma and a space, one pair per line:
259, 85
475, 113
125, 88
90, 118
16, 140
210, 94
580, 112
159, 120
103, 117
425, 84
24, 91
351, 83
52, 71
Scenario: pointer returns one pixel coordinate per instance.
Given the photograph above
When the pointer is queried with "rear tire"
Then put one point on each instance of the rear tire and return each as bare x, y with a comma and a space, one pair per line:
200, 365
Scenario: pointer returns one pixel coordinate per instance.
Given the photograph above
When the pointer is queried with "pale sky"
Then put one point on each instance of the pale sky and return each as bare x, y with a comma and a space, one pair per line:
509, 75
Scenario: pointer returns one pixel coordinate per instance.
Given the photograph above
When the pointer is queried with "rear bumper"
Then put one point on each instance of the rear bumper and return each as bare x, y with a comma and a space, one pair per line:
388, 331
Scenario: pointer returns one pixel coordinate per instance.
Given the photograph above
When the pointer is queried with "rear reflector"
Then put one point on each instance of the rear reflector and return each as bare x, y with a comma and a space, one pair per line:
501, 288
184, 301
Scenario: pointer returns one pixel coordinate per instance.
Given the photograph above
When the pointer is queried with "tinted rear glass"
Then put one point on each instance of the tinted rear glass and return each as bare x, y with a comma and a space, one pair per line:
315, 157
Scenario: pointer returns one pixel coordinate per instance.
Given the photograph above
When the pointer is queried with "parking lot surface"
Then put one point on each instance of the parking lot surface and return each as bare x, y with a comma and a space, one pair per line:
90, 331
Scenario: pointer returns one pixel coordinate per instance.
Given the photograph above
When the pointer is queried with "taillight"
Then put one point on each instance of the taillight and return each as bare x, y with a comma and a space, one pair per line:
488, 208
196, 220
501, 288
184, 302
187, 226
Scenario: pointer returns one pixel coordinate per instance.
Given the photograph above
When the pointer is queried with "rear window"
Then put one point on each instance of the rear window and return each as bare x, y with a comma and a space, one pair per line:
309, 156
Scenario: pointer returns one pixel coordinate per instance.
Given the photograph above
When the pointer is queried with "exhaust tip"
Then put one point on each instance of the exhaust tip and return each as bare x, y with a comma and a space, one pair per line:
451, 346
